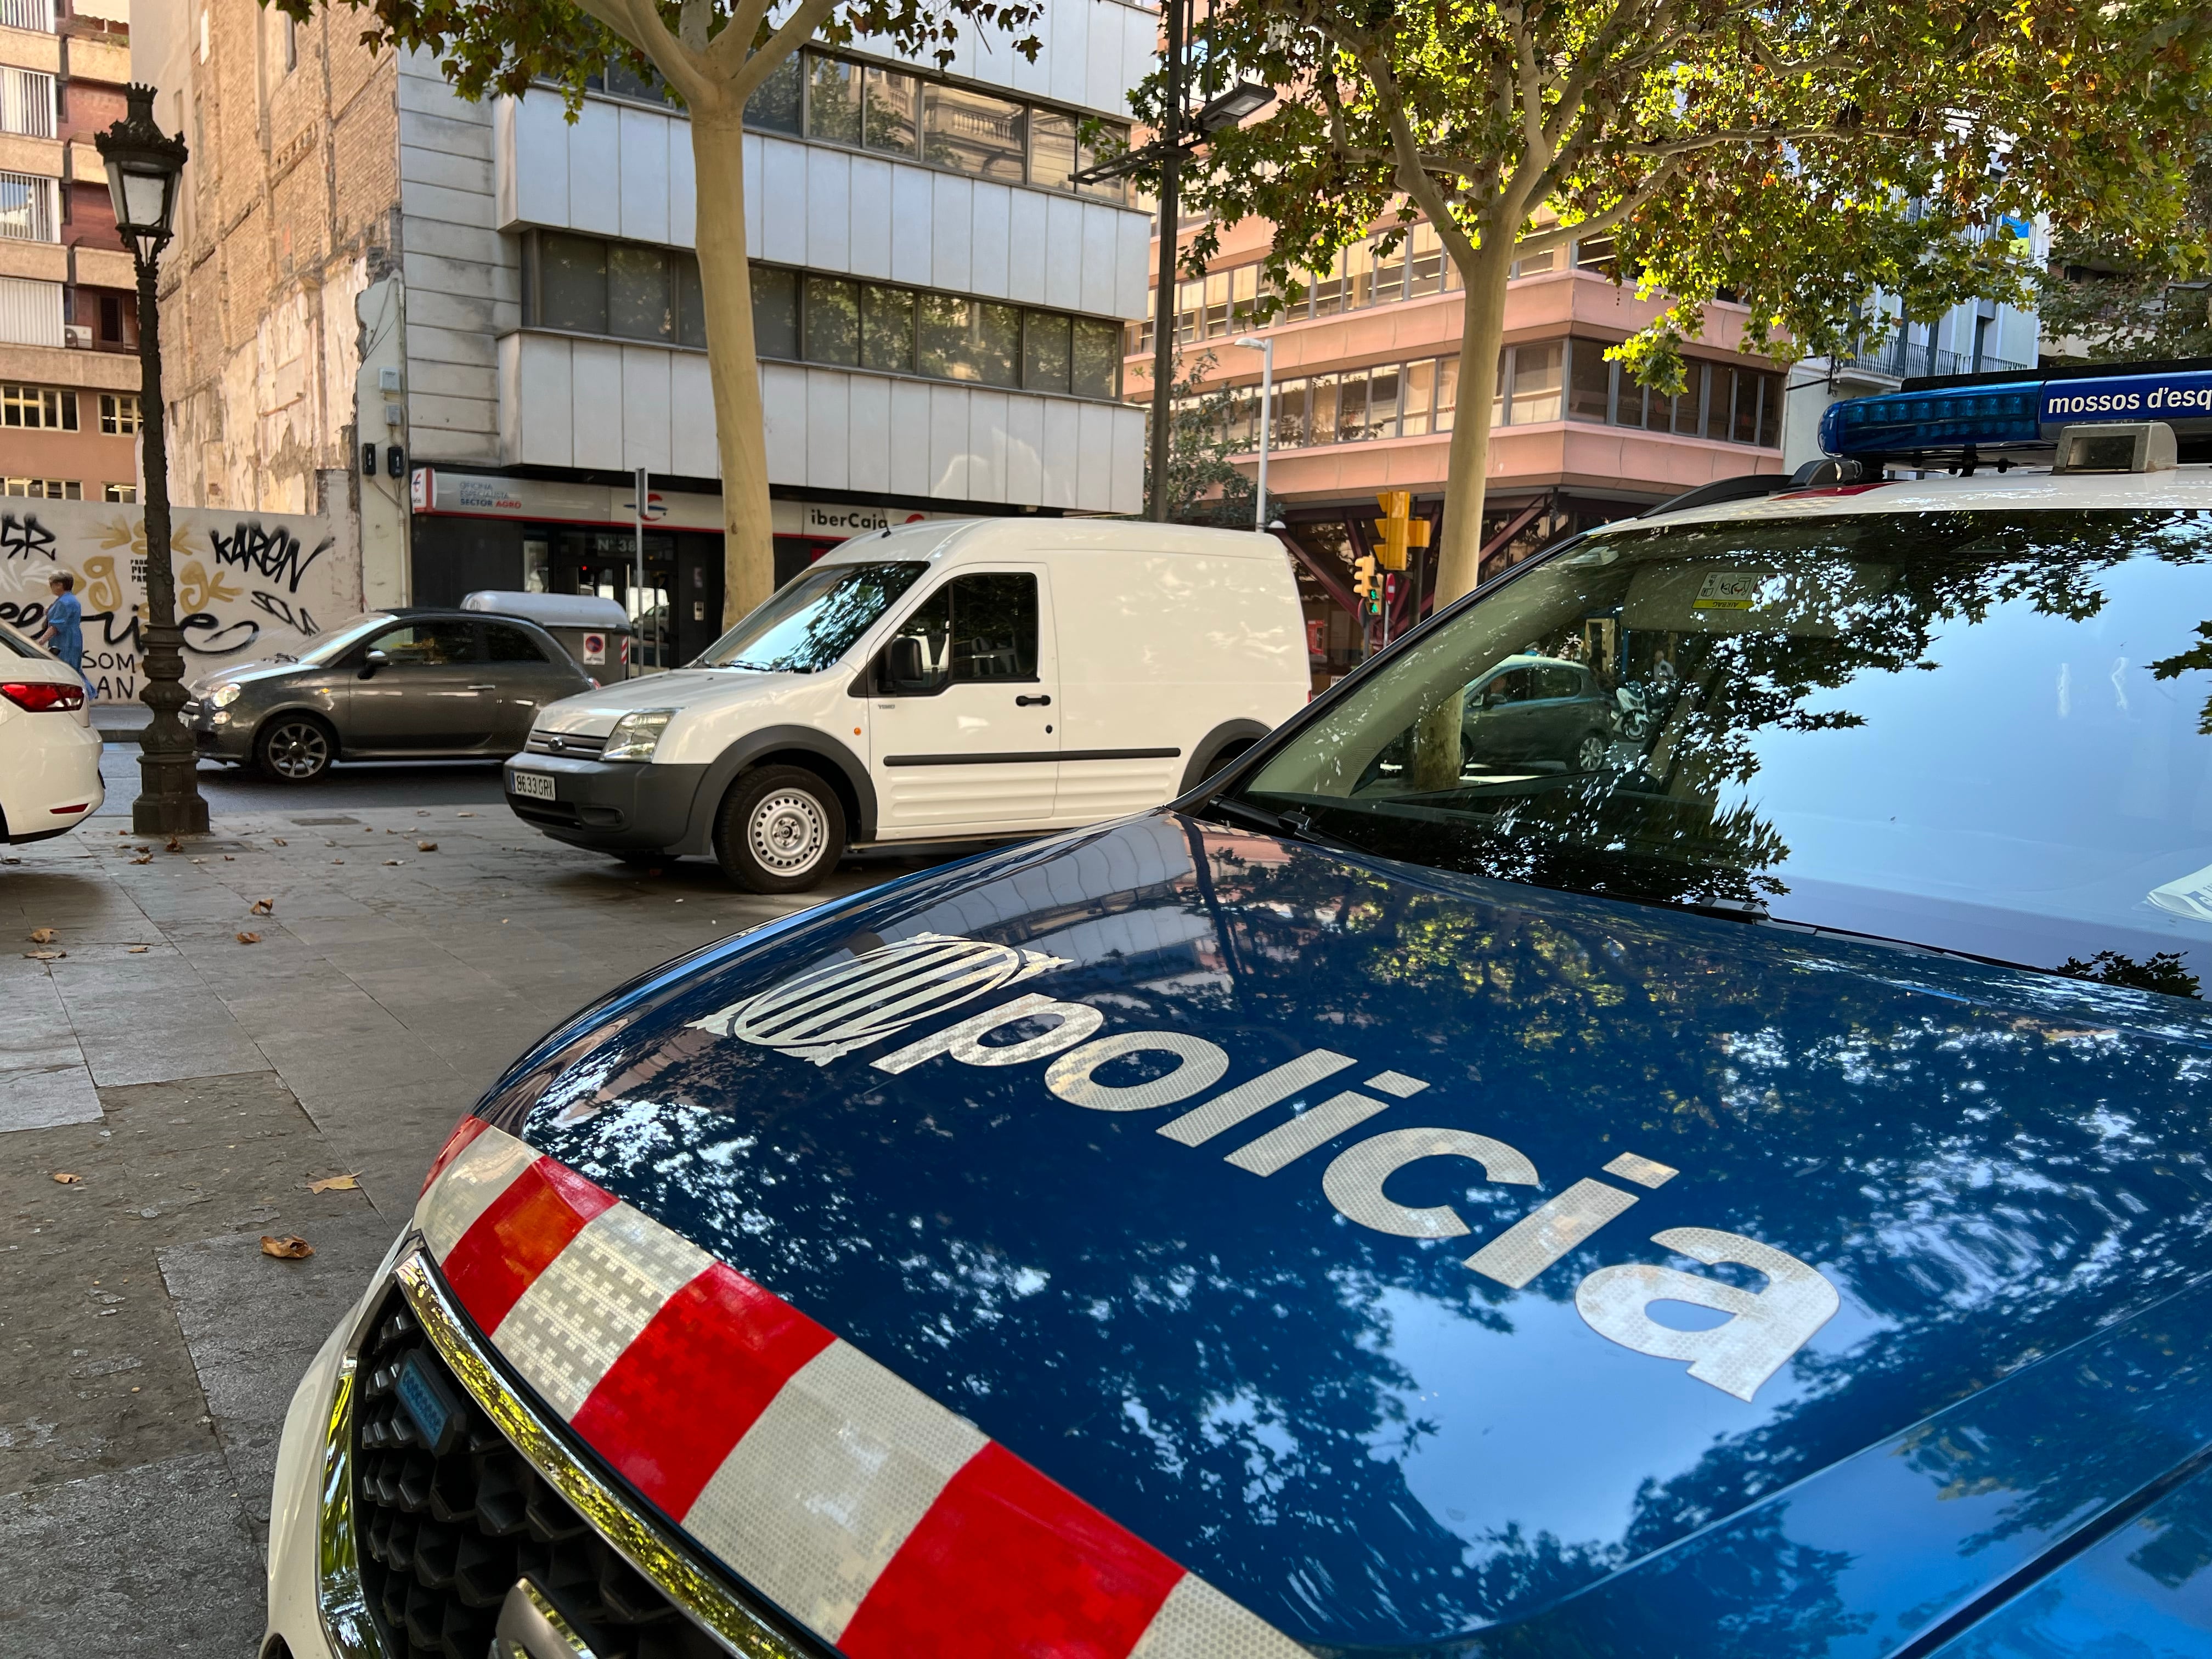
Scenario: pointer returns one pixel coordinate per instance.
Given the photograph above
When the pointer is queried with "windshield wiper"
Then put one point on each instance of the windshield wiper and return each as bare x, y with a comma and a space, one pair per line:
1290, 826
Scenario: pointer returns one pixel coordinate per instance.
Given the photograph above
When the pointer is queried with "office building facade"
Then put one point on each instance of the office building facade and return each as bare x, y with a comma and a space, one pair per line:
497, 322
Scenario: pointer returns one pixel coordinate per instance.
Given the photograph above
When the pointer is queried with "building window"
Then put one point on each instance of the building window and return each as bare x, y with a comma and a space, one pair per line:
1719, 401
582, 285
111, 317
119, 413
51, 489
37, 15
29, 211
27, 103
126, 493
44, 408
973, 133
965, 130
1536, 381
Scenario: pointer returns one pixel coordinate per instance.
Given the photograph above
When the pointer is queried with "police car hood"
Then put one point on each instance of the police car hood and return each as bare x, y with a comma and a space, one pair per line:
1865, 1279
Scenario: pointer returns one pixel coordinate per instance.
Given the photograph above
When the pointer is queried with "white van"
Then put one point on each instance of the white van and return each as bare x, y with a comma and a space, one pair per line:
940, 681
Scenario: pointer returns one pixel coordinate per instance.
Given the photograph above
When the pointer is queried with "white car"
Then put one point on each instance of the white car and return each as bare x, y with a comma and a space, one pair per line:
49, 753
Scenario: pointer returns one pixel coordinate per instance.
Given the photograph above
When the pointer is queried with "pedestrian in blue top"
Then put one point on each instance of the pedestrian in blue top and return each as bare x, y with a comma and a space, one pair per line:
64, 634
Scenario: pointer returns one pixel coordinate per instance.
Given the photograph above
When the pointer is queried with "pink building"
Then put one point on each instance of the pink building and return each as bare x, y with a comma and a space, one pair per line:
1367, 378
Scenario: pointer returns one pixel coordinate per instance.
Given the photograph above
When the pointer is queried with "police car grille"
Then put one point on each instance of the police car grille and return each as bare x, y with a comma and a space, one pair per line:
564, 743
441, 1539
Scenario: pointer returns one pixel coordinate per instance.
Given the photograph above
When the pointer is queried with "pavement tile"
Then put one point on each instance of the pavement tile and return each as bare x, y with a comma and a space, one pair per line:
157, 1560
252, 1331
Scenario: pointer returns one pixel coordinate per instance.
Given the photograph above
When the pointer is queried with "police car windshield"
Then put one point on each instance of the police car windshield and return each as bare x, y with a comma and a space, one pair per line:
1989, 733
812, 620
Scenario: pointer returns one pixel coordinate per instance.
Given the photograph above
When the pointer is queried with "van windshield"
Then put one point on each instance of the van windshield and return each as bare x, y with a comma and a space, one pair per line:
812, 620
1985, 732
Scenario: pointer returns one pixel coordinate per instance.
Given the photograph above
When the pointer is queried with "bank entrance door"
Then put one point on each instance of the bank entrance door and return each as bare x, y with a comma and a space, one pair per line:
603, 562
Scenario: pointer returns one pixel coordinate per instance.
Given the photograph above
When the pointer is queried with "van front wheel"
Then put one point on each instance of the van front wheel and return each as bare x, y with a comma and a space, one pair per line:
781, 830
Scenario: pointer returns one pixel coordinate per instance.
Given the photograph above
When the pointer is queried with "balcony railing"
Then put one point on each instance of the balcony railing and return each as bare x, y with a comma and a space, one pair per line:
1898, 358
27, 212
35, 14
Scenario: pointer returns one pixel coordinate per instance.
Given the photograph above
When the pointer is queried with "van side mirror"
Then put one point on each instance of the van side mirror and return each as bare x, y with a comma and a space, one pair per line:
373, 660
904, 668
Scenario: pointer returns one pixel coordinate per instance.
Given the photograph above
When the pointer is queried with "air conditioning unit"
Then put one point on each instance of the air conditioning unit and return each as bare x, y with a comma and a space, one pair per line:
77, 335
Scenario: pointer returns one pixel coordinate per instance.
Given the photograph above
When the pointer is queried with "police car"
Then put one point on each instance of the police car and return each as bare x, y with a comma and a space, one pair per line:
1741, 1192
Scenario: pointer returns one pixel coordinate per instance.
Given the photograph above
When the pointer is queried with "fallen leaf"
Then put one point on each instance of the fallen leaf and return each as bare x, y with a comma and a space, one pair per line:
344, 1183
44, 936
395, 861
464, 815
175, 845
337, 860
143, 858
262, 906
227, 858
249, 939
67, 1179
278, 840
291, 1248
426, 846
138, 950
43, 955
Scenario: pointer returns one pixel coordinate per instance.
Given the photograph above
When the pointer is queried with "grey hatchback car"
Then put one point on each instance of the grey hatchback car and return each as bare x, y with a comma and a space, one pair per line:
411, 684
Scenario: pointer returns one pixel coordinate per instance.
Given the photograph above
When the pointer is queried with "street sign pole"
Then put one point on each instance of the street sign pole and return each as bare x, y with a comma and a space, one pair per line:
637, 572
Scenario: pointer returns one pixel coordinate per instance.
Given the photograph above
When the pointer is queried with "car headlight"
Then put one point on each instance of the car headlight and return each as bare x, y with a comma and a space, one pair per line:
635, 736
223, 696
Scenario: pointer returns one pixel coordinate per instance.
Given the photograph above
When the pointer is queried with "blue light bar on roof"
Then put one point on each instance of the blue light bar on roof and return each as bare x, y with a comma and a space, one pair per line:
2010, 414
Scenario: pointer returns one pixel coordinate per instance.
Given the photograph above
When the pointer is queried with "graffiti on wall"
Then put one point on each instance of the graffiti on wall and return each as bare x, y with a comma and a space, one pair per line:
249, 584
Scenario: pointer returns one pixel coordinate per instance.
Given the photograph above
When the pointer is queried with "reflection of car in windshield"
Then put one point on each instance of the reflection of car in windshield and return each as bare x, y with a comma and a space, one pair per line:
1540, 710
1969, 725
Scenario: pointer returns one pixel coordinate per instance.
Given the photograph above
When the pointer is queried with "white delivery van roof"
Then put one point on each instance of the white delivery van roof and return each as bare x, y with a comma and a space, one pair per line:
957, 540
553, 609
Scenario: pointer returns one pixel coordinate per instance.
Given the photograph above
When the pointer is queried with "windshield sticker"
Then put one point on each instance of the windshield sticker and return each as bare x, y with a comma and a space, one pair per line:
848, 1003
1729, 590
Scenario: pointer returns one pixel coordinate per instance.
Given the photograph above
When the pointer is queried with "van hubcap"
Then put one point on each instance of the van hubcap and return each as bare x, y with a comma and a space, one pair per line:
788, 832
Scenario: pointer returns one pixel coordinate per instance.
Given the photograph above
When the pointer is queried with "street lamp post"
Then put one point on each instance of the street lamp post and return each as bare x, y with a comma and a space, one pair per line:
1266, 349
143, 164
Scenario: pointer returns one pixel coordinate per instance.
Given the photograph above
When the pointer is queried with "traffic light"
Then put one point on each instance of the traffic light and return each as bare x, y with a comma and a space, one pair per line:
1365, 587
1397, 529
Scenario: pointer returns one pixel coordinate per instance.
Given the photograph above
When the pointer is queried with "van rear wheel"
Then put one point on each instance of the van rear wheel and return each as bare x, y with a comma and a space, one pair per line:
781, 830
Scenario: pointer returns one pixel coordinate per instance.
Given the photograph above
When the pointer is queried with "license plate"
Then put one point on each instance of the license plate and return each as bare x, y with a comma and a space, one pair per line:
536, 786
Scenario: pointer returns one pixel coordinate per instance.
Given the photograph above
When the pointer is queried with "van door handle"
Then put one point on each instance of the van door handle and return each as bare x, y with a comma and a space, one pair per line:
1040, 702
487, 686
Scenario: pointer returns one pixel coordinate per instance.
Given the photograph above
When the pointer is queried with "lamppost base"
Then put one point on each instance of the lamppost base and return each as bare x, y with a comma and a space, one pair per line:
168, 804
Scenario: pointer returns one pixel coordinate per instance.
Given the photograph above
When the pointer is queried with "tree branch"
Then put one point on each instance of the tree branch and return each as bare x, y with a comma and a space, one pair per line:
728, 50
637, 22
1597, 224
793, 32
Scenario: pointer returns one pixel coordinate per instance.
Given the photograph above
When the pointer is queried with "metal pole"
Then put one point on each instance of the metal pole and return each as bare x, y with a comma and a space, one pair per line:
1267, 426
637, 569
1163, 323
169, 801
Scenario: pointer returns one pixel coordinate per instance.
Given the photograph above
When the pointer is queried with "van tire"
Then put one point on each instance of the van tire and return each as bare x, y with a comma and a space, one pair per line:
782, 829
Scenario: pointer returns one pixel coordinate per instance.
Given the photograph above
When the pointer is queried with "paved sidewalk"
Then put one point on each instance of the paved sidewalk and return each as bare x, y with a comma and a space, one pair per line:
195, 1085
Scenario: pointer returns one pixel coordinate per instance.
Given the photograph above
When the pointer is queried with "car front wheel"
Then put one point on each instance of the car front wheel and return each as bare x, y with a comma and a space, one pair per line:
294, 749
781, 830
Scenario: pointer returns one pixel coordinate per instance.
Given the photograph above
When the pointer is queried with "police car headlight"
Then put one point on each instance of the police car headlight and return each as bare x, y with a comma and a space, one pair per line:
223, 696
636, 736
